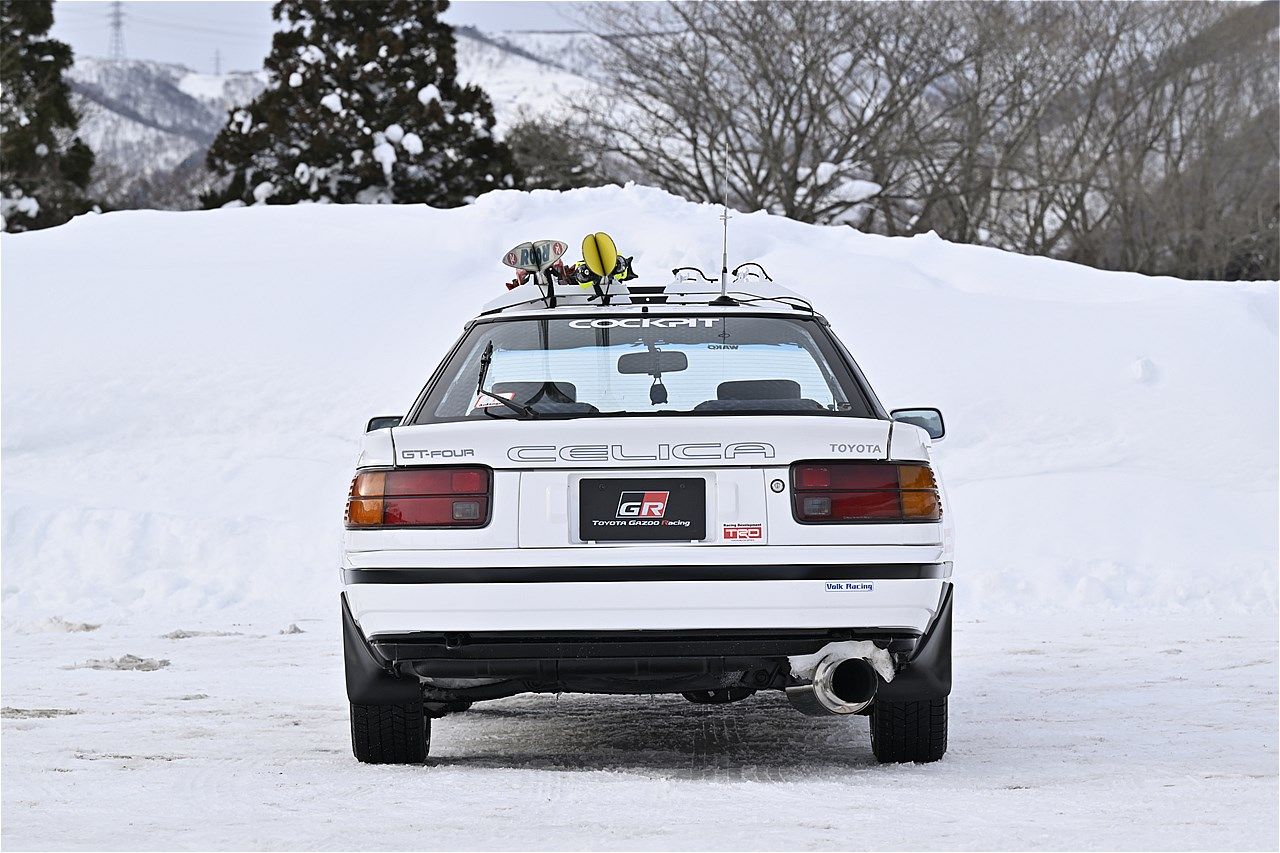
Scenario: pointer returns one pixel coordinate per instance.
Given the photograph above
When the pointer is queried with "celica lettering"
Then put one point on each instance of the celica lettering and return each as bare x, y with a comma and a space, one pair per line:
693, 451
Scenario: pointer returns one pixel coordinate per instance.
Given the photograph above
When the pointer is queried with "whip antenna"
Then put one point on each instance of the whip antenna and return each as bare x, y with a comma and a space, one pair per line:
724, 298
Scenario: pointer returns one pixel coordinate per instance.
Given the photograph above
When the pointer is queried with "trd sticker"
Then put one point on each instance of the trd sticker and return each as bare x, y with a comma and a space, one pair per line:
850, 586
642, 504
743, 532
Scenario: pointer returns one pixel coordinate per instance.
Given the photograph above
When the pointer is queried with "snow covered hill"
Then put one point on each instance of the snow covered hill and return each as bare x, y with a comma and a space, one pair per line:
183, 393
182, 398
150, 123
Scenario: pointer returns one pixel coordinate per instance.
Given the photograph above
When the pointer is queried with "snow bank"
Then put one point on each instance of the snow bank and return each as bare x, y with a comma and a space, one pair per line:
183, 394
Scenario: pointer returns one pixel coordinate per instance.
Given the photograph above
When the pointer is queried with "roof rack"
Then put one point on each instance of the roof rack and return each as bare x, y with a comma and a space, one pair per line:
752, 289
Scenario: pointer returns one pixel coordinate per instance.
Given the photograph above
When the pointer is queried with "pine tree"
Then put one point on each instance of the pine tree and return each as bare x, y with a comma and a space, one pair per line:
363, 106
44, 168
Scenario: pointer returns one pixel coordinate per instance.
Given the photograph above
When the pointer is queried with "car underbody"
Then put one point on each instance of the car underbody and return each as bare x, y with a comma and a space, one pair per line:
448, 669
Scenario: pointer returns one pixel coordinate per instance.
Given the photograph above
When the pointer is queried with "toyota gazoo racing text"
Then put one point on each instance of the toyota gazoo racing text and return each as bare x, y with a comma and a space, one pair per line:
685, 489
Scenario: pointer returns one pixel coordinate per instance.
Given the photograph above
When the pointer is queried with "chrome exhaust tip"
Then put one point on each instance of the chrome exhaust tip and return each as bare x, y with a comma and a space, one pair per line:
840, 685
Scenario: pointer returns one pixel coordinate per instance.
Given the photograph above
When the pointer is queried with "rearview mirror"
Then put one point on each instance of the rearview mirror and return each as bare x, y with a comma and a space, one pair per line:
929, 420
382, 422
653, 362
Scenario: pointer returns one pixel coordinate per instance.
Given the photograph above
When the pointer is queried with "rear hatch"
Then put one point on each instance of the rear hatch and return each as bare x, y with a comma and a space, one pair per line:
641, 481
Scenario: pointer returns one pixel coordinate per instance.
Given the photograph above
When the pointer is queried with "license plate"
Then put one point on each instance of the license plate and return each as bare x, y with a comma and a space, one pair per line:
643, 510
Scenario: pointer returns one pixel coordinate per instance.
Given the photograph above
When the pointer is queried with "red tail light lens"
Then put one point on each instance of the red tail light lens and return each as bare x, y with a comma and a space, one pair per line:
841, 492
420, 497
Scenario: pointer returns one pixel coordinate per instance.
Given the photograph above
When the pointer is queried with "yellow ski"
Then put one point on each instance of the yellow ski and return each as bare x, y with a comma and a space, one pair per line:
599, 254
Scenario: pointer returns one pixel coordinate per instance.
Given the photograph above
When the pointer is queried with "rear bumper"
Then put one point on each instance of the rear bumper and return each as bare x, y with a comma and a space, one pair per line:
894, 597
393, 668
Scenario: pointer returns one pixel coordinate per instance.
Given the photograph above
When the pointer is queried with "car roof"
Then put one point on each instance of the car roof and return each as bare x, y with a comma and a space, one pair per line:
683, 296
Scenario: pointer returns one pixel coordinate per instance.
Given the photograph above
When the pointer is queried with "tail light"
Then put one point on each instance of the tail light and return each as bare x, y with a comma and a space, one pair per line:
840, 492
420, 497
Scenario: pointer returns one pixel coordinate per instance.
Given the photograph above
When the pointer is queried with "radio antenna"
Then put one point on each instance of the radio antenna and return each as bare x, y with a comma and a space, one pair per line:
724, 298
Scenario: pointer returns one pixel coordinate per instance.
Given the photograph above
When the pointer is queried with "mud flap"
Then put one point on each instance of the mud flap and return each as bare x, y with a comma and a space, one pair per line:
368, 681
928, 674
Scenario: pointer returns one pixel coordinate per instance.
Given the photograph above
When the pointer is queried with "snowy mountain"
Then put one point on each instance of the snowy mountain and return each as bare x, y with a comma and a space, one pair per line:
150, 123
526, 73
147, 121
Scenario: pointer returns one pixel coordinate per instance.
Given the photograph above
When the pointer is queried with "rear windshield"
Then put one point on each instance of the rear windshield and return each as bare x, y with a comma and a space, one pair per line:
578, 367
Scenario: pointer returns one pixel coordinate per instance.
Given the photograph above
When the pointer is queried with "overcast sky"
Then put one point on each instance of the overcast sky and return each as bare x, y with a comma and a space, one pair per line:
190, 31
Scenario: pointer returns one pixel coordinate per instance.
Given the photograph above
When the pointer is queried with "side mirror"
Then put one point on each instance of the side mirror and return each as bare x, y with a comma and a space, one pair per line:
653, 362
929, 420
382, 422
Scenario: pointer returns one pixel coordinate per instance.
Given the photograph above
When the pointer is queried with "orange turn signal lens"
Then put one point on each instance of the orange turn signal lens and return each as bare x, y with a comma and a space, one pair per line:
369, 484
915, 477
364, 512
922, 505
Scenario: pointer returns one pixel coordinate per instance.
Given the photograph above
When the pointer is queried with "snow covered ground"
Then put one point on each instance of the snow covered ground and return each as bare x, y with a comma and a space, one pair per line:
1067, 733
182, 394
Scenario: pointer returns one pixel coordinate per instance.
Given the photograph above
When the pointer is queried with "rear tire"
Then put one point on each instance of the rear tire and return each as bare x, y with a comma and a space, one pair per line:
390, 734
909, 731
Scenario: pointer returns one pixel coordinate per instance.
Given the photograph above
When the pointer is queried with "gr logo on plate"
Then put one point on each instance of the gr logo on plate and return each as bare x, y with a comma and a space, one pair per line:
642, 504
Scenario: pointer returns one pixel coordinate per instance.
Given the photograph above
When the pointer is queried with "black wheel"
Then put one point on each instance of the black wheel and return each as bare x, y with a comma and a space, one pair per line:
909, 731
390, 734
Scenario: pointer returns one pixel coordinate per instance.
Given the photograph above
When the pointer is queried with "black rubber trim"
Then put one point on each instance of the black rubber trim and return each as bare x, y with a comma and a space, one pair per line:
551, 656
369, 677
610, 574
928, 674
626, 644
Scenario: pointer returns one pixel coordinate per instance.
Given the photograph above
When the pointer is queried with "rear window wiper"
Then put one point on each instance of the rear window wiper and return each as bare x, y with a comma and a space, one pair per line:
519, 408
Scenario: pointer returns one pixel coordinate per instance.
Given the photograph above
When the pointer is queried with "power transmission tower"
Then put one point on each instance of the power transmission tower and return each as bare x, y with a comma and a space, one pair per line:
115, 19
217, 62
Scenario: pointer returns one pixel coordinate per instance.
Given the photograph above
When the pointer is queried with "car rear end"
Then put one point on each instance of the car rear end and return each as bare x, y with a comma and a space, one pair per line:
713, 548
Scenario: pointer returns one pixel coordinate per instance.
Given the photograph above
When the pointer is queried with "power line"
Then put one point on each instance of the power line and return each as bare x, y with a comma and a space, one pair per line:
115, 19
200, 27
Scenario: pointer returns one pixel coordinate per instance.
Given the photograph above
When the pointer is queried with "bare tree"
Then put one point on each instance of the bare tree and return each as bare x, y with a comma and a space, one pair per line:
1127, 135
785, 103
1193, 187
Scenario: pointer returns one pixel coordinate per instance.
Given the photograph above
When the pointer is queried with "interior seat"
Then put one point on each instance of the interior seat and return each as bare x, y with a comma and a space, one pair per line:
780, 405
758, 389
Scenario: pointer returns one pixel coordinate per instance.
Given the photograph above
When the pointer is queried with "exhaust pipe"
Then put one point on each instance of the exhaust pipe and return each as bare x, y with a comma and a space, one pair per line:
840, 685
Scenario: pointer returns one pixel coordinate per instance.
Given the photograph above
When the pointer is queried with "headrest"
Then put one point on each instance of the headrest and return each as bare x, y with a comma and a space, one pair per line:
759, 389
